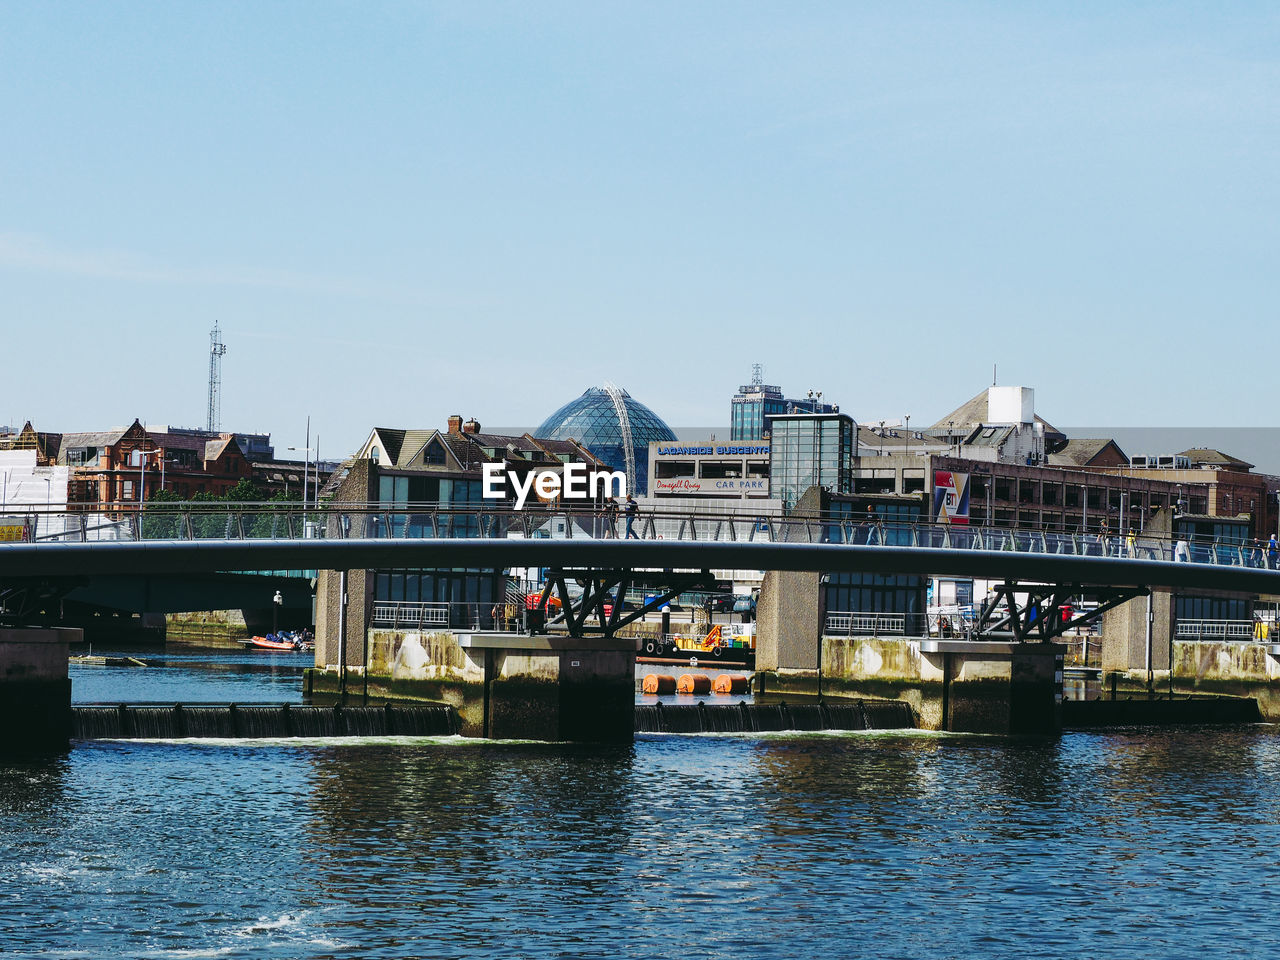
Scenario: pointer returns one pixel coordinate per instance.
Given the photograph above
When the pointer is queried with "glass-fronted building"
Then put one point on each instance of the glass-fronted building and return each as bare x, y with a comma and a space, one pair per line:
615, 427
755, 403
811, 449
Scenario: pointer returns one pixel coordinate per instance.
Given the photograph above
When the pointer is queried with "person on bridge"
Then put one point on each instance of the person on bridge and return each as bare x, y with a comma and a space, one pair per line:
1273, 551
630, 509
611, 519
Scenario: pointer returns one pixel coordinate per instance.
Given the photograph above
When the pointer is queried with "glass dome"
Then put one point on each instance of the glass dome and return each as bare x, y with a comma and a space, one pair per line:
596, 419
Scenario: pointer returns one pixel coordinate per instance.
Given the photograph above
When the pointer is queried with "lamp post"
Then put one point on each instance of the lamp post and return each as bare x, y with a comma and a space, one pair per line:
48, 486
907, 421
306, 470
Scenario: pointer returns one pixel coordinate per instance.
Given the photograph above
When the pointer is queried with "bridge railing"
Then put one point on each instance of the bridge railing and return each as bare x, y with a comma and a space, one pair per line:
291, 521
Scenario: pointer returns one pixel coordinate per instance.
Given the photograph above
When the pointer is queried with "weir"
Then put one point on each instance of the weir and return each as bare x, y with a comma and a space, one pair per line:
234, 721
774, 717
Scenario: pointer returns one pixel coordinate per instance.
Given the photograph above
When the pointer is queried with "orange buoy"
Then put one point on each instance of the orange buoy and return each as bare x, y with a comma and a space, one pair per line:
729, 683
658, 683
693, 683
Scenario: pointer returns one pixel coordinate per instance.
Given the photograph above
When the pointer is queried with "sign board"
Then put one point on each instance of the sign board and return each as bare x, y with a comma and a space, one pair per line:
724, 487
14, 530
950, 497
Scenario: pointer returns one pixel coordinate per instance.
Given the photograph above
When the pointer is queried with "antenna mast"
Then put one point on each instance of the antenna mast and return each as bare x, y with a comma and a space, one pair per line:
216, 349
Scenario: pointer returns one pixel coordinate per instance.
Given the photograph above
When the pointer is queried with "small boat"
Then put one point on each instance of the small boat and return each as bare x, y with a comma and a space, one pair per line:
272, 642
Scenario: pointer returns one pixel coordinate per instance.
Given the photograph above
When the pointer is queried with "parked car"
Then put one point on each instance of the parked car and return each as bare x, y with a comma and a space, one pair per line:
723, 603
745, 606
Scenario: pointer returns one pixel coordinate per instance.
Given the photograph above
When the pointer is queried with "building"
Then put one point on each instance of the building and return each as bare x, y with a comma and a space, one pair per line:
129, 465
615, 427
431, 483
756, 402
291, 478
32, 495
811, 449
45, 445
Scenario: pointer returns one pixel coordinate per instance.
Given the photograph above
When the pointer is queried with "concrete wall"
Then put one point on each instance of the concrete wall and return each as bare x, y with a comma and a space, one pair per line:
1124, 634
503, 686
358, 487
788, 621
35, 693
986, 687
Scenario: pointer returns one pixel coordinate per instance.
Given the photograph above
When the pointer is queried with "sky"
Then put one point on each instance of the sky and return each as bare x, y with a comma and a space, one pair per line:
399, 211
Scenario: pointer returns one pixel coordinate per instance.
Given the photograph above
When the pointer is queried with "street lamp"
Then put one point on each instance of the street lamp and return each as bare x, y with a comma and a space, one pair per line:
306, 468
48, 486
907, 421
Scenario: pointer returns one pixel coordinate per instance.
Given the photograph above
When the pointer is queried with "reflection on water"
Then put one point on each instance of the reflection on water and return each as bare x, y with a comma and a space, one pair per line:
219, 676
795, 845
836, 844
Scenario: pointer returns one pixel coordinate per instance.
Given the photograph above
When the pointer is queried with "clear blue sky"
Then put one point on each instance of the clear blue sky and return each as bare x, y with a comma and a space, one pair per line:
403, 210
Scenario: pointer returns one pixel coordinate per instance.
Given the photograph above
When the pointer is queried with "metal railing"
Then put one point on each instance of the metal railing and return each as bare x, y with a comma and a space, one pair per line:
1215, 630
868, 624
406, 614
288, 521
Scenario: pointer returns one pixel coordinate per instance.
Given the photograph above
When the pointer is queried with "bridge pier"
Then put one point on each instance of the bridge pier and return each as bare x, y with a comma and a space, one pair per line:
553, 687
1007, 687
35, 691
503, 686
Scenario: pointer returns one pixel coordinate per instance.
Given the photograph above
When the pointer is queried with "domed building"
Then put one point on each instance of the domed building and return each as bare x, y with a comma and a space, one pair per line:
614, 426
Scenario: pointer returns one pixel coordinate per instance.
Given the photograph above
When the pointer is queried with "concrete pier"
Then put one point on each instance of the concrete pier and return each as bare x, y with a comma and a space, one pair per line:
963, 686
35, 691
504, 686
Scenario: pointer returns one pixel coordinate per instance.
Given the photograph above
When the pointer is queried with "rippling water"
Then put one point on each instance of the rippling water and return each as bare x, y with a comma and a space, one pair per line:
864, 844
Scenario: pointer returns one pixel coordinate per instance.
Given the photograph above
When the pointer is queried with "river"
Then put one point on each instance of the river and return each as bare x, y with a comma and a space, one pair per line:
901, 844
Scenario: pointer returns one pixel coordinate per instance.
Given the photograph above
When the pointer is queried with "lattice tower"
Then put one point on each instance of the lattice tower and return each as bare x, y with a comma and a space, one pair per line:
216, 349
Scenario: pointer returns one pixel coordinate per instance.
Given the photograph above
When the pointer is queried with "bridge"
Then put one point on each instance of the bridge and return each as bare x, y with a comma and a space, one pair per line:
165, 546
193, 538
1035, 570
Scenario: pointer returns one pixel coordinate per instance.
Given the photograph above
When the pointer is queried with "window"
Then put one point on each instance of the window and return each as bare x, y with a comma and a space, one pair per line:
720, 469
666, 469
435, 453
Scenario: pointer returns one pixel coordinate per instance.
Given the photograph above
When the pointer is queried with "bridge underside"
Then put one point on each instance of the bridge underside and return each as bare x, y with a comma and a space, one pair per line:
1041, 618
586, 614
22, 598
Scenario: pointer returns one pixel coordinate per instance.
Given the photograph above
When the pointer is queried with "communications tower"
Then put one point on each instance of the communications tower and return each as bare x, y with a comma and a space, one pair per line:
216, 349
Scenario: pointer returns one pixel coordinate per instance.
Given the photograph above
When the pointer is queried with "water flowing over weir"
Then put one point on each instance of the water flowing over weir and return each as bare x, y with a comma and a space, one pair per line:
235, 721
232, 721
774, 717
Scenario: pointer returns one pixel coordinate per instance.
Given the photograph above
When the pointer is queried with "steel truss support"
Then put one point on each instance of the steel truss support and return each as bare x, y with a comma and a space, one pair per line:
22, 599
1039, 619
585, 614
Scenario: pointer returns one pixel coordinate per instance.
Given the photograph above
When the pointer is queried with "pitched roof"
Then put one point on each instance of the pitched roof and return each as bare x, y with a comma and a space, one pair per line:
215, 448
411, 444
391, 440
974, 411
1206, 456
99, 438
1081, 452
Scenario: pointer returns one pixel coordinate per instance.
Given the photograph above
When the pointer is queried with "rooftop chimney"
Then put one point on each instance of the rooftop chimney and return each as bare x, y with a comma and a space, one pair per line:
455, 424
471, 426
